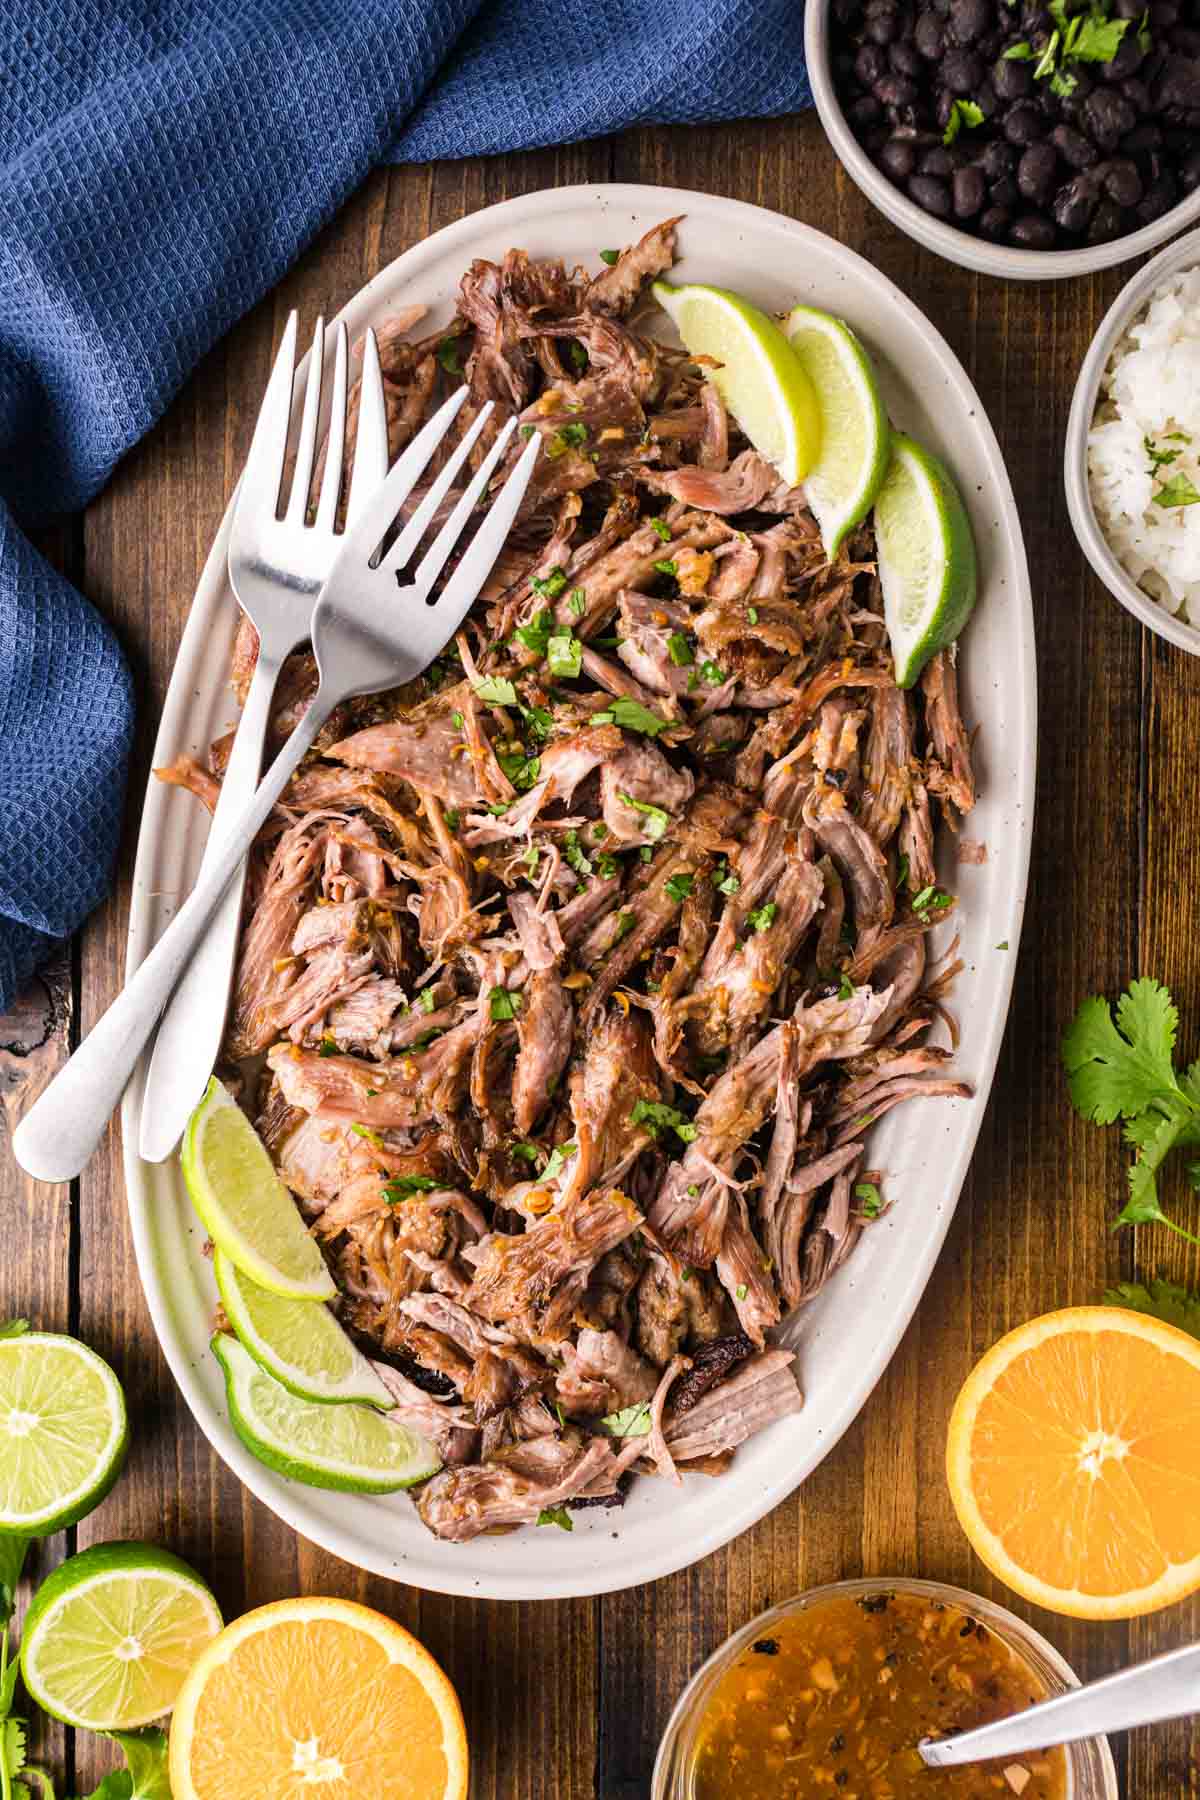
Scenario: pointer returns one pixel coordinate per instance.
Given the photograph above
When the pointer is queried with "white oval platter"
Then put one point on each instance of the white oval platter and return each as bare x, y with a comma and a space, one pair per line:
844, 1340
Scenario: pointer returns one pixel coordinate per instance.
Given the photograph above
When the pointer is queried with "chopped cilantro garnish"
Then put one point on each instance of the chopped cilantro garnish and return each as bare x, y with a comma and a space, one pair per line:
502, 1004
452, 817
662, 528
497, 690
631, 715
845, 987
575, 435
559, 1158
523, 771
872, 1199
536, 634
752, 614
631, 1421
327, 1047
931, 899
656, 819
740, 1291
680, 886
372, 1137
403, 1187
659, 1117
610, 257
724, 880
577, 604
551, 585
1022, 52
527, 431
666, 566
1179, 491
564, 655
763, 917
962, 112
556, 1515
526, 1152
712, 673
679, 650
625, 924
425, 1001
576, 855
447, 355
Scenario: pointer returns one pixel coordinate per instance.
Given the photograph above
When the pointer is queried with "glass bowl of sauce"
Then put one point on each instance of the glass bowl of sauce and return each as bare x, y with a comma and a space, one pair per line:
826, 1697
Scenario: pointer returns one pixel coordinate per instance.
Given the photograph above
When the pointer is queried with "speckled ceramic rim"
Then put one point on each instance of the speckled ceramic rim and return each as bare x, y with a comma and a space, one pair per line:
1092, 1775
959, 246
1092, 541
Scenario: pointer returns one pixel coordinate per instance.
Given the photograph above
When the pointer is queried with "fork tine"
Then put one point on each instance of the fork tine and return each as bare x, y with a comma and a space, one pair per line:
297, 506
331, 481
434, 559
385, 501
418, 525
262, 476
459, 594
371, 439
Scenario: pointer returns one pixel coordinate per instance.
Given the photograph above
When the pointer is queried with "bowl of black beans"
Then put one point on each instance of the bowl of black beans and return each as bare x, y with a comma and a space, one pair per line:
1021, 138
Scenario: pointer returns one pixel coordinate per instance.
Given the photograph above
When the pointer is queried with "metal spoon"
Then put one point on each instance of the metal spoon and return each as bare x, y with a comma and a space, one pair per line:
1166, 1687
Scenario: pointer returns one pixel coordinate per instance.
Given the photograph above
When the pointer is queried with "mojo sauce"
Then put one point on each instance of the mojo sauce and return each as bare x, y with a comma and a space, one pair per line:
832, 1703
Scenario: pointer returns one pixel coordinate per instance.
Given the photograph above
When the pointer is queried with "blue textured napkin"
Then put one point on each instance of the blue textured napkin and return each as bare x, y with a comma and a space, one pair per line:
162, 162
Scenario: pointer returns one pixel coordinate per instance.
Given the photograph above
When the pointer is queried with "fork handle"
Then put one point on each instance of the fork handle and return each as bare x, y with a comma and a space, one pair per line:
59, 1133
189, 1036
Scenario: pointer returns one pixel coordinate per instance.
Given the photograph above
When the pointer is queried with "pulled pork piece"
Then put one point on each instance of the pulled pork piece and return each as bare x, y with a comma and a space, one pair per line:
186, 772
535, 1281
739, 488
266, 965
616, 289
426, 747
755, 1395
602, 1374
950, 775
460, 1503
544, 1028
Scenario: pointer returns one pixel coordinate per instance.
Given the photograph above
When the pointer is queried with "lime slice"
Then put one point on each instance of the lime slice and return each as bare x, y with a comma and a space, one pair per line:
855, 436
926, 557
63, 1432
761, 382
352, 1448
112, 1633
301, 1345
245, 1207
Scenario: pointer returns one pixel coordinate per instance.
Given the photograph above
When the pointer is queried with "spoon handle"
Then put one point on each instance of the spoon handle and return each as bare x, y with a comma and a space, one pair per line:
1167, 1687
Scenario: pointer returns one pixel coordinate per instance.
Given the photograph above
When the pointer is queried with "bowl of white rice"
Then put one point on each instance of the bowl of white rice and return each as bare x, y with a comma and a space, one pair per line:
1132, 462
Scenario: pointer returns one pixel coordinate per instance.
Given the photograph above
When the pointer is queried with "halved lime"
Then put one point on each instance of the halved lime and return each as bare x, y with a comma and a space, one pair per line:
855, 436
63, 1432
760, 380
351, 1448
301, 1345
245, 1207
926, 557
112, 1633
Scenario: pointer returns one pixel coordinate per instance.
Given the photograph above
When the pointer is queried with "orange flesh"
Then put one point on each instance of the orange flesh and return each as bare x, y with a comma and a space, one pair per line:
1085, 1461
314, 1708
833, 1702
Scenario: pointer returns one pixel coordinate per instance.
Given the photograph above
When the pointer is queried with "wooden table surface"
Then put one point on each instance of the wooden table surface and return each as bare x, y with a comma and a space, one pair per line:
566, 1700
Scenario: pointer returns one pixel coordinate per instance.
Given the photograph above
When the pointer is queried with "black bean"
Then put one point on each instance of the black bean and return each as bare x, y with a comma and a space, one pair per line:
1158, 199
928, 36
1107, 223
1036, 21
961, 71
1178, 84
1075, 203
994, 222
987, 99
846, 11
864, 111
1012, 80
895, 90
905, 60
1187, 39
1138, 95
969, 19
997, 160
870, 64
1129, 9
1024, 124
1127, 59
969, 192
937, 161
1005, 193
1073, 147
1032, 231
931, 194
898, 158
1189, 173
843, 72
1035, 172
1122, 183
1107, 117
1163, 15
883, 29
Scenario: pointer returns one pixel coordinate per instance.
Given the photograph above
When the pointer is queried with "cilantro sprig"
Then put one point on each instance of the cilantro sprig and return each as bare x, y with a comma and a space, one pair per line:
1164, 1300
1124, 1068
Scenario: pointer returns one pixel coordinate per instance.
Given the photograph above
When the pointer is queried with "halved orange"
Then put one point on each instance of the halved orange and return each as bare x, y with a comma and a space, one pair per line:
317, 1697
1074, 1462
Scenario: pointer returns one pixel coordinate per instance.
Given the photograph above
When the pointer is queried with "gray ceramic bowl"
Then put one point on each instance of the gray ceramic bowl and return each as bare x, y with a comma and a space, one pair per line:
947, 240
1119, 317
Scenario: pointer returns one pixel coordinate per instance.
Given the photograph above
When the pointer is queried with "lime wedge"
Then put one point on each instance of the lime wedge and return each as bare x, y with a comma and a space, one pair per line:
855, 436
245, 1207
926, 557
112, 1633
63, 1432
352, 1448
760, 381
300, 1344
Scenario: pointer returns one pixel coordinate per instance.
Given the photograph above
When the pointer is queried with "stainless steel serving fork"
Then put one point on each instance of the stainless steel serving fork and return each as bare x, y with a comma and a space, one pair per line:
276, 568
375, 626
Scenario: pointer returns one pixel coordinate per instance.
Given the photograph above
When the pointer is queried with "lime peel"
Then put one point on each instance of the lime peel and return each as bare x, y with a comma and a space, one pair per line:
301, 1345
926, 557
855, 435
64, 1432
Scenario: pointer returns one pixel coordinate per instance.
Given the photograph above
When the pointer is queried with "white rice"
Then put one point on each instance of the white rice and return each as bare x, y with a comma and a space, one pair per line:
1151, 390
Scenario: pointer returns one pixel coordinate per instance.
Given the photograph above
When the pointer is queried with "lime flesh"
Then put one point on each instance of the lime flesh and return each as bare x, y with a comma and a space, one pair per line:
112, 1633
301, 1345
351, 1448
760, 380
246, 1209
926, 552
63, 1432
855, 436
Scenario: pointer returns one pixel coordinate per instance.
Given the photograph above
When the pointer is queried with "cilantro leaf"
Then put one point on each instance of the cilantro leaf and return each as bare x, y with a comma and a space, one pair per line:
497, 690
559, 1157
1098, 39
556, 1515
564, 655
12, 1558
536, 634
631, 715
503, 1004
610, 257
872, 1199
1022, 52
656, 819
14, 1328
962, 112
679, 650
661, 1117
577, 857
1163, 1300
679, 886
1179, 491
1119, 1073
398, 1188
631, 1421
763, 917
